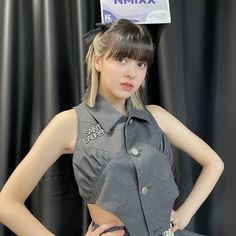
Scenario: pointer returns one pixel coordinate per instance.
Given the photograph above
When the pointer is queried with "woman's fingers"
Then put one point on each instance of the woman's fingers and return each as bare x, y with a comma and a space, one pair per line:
114, 233
100, 229
174, 228
89, 229
174, 221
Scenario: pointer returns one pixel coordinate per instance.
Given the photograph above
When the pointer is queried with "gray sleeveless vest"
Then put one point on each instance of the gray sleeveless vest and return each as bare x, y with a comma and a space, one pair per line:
123, 164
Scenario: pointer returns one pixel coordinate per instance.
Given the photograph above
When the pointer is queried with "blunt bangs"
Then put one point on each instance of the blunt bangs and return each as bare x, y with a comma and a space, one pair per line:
133, 42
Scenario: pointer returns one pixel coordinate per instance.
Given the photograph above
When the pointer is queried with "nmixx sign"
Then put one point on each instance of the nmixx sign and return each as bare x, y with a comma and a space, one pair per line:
138, 11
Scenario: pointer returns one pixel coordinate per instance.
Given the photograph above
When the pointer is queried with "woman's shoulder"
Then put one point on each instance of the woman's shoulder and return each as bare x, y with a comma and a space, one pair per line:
65, 124
159, 114
66, 117
65, 121
154, 108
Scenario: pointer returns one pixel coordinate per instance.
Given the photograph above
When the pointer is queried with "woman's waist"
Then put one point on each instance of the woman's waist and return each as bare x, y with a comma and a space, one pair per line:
101, 216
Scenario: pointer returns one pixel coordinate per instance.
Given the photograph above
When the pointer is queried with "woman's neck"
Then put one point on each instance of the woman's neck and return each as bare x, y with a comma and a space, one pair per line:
118, 104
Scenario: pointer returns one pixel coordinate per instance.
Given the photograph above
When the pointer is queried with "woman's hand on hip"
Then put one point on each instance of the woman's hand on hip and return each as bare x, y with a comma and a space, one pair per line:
178, 220
100, 229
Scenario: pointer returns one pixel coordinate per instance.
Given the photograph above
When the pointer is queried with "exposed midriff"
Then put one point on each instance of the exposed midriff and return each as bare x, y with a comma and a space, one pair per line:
101, 216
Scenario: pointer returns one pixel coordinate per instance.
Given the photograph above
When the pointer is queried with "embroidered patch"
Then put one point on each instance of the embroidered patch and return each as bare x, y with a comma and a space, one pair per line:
93, 133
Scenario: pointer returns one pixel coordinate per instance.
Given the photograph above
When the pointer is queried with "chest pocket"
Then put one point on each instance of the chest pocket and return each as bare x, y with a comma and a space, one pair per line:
92, 135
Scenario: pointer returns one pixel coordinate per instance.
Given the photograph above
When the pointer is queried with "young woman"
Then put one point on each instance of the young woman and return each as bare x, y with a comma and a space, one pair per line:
122, 155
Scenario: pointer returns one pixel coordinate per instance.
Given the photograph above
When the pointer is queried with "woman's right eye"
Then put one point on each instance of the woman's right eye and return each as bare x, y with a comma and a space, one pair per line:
121, 60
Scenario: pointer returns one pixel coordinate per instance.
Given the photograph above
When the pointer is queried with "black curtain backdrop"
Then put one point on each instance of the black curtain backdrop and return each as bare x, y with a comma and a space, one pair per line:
193, 76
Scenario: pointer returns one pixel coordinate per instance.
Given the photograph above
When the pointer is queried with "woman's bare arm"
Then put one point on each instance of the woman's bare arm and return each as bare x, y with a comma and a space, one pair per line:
56, 139
184, 139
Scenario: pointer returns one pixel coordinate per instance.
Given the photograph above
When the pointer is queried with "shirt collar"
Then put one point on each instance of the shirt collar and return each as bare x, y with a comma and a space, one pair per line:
107, 116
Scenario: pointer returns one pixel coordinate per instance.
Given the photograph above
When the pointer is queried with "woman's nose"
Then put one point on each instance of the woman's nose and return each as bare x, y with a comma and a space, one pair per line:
131, 70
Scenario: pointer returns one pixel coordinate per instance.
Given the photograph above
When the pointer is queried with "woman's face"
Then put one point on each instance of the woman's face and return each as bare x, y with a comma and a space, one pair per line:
119, 78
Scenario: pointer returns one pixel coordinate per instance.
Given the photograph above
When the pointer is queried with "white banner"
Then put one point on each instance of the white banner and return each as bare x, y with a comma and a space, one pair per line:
138, 11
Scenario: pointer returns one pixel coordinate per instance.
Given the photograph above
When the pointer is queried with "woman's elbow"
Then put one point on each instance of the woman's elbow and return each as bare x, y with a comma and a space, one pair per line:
221, 165
218, 164
5, 204
214, 163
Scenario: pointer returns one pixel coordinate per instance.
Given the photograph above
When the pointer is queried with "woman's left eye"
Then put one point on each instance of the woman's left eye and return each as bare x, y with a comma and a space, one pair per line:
142, 64
122, 60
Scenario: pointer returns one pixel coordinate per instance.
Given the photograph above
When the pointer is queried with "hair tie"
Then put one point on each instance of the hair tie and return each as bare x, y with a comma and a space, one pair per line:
89, 36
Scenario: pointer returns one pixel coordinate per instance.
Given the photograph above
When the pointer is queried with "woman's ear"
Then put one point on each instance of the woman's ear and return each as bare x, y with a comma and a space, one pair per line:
98, 63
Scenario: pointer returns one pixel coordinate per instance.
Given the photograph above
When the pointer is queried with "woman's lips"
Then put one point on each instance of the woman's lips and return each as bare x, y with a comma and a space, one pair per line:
127, 86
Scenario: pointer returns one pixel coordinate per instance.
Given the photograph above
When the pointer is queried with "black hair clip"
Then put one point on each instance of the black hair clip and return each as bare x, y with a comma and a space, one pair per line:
89, 36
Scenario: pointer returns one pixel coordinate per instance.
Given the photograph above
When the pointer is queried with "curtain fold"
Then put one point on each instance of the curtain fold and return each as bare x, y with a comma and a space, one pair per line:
42, 73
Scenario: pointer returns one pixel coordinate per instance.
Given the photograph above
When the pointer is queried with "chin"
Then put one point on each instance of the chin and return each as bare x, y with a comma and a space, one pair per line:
124, 96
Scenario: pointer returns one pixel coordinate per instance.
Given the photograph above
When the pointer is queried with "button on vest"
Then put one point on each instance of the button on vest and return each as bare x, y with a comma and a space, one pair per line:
144, 190
135, 151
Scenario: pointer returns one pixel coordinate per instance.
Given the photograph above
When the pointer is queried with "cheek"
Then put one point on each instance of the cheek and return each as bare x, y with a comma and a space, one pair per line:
142, 75
110, 69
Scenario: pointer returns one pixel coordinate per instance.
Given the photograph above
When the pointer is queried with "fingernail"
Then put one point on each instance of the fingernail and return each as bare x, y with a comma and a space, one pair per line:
122, 232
